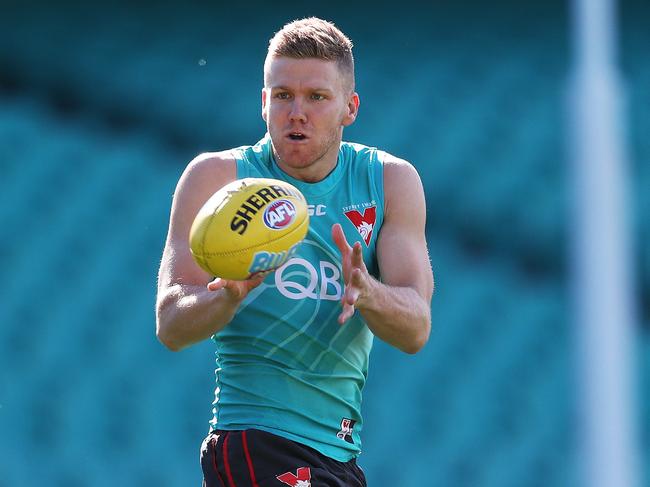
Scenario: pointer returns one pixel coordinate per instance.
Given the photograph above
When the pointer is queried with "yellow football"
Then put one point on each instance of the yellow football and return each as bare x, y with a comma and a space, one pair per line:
249, 226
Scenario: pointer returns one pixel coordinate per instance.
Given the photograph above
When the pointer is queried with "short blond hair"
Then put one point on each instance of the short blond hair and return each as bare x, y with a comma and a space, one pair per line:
313, 38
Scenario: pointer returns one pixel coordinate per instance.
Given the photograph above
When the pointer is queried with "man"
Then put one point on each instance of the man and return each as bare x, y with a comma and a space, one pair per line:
293, 346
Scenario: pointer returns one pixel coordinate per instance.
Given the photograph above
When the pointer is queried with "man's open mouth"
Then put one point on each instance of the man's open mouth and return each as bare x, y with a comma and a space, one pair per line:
297, 136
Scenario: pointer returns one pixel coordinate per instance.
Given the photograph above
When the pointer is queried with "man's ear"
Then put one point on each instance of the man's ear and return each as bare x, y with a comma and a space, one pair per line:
352, 110
264, 104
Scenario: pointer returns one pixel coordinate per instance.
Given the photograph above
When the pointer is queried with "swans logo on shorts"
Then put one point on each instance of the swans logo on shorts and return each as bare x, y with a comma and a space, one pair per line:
302, 478
364, 223
347, 425
279, 214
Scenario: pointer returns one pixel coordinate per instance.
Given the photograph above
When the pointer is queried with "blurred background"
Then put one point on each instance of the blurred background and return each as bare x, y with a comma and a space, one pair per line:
102, 106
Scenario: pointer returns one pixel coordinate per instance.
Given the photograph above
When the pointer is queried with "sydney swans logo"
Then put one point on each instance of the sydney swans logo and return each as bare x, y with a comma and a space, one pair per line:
364, 223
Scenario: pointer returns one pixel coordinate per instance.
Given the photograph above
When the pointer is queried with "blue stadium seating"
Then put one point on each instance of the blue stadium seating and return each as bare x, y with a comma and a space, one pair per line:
95, 129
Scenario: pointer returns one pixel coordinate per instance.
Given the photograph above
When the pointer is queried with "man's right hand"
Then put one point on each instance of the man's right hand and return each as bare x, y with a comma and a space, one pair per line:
237, 290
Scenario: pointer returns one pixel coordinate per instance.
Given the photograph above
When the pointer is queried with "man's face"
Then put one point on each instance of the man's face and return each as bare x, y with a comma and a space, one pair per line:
306, 103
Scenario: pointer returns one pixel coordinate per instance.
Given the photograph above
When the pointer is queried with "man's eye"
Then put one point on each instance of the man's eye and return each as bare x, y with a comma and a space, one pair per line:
316, 96
282, 95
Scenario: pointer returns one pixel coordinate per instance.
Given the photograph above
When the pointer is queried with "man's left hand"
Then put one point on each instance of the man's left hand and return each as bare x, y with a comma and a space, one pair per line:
355, 274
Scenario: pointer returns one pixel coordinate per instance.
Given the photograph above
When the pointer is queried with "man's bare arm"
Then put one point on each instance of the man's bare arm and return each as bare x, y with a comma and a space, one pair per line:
397, 309
190, 305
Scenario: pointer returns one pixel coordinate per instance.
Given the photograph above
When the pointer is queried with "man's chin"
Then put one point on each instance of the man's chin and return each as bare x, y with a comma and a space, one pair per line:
295, 164
295, 159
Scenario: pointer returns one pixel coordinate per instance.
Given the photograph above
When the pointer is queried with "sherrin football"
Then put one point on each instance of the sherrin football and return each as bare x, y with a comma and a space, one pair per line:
249, 226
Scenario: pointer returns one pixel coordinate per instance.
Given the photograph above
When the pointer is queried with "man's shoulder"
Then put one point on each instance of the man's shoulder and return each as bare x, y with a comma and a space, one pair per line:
358, 148
210, 169
400, 178
382, 155
229, 157
392, 162
354, 144
393, 166
396, 170
213, 160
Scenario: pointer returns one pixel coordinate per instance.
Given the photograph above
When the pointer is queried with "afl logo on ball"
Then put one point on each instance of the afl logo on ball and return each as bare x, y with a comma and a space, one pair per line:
279, 214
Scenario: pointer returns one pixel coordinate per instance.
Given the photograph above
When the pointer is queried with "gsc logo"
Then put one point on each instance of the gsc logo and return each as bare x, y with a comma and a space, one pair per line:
321, 283
316, 210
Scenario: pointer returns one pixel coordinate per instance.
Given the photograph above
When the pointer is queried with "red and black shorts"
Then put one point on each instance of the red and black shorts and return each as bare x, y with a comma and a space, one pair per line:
254, 458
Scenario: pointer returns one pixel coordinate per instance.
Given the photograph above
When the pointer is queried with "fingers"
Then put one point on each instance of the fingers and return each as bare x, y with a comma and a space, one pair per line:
351, 296
217, 284
233, 288
237, 289
257, 280
346, 314
353, 288
357, 256
339, 239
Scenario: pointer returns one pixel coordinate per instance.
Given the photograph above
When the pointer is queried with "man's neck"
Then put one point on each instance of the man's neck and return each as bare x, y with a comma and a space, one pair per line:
315, 172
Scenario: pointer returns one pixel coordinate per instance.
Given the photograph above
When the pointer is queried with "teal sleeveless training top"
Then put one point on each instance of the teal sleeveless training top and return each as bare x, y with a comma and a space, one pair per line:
284, 364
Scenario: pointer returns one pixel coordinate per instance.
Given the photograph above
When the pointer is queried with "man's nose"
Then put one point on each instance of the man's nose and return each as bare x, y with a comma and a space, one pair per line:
297, 113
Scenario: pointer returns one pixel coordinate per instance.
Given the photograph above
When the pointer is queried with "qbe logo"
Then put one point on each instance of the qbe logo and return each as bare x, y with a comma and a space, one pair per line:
299, 279
279, 214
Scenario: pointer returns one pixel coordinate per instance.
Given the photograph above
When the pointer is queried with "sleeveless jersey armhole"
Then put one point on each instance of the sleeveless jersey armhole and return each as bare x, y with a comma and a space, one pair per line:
378, 178
376, 187
242, 164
